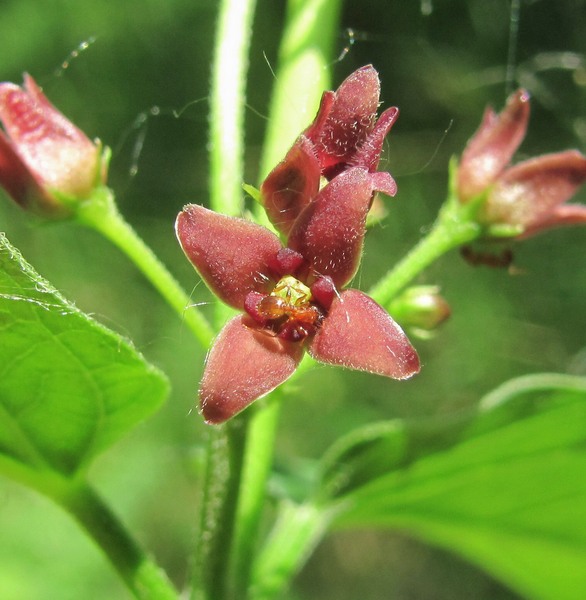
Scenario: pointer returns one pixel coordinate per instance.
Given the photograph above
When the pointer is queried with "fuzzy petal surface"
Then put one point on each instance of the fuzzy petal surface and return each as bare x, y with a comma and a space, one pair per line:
243, 365
368, 155
359, 334
291, 185
329, 233
16, 178
491, 148
567, 214
529, 193
58, 153
343, 125
229, 253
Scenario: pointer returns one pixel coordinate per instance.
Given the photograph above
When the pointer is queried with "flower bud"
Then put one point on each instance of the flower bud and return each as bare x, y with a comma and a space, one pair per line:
46, 163
421, 309
521, 200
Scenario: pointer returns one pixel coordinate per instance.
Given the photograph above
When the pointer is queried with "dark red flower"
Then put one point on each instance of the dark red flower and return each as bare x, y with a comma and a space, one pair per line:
530, 196
45, 161
291, 296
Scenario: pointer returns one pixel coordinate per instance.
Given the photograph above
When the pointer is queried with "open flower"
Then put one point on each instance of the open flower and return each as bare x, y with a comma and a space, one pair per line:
344, 134
526, 198
291, 296
46, 163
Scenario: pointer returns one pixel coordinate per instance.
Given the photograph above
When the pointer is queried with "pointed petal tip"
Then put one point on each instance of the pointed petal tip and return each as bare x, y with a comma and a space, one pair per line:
493, 145
359, 334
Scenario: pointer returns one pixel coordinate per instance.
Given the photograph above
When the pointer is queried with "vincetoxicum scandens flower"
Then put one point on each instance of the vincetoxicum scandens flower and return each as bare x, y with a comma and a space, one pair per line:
46, 163
526, 198
291, 295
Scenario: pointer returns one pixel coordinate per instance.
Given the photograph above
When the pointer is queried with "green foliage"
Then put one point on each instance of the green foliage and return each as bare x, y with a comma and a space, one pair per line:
502, 485
69, 387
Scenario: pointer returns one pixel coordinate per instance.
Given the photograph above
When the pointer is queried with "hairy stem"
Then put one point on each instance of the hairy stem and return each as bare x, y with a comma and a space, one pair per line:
145, 579
225, 453
226, 444
258, 462
227, 104
101, 214
452, 229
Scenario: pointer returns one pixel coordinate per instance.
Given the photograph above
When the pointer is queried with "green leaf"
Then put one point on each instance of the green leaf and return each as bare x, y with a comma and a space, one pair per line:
504, 486
69, 387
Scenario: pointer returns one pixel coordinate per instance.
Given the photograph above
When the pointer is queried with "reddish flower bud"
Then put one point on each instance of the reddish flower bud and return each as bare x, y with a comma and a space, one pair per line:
46, 163
529, 197
345, 131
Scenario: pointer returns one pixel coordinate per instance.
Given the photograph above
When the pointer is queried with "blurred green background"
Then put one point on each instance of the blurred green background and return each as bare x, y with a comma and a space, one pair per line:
141, 86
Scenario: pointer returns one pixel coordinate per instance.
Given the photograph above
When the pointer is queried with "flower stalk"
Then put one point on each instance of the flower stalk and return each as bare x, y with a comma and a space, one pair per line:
143, 577
452, 229
101, 214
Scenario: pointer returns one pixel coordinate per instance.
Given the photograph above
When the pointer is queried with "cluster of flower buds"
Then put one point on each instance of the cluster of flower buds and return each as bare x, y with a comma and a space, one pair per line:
293, 295
47, 165
524, 199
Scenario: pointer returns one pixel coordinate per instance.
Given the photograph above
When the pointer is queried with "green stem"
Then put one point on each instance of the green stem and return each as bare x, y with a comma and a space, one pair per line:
226, 444
227, 105
141, 575
452, 229
304, 72
298, 530
235, 486
225, 454
100, 213
257, 465
144, 578
227, 109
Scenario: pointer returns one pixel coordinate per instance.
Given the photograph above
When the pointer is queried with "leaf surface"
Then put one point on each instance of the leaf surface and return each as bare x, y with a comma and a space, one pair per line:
504, 486
69, 387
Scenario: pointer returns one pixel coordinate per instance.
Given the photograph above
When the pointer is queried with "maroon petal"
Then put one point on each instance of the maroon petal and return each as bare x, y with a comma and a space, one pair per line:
291, 185
243, 365
329, 233
491, 148
359, 334
368, 155
314, 131
529, 193
383, 182
230, 254
15, 176
349, 120
567, 214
